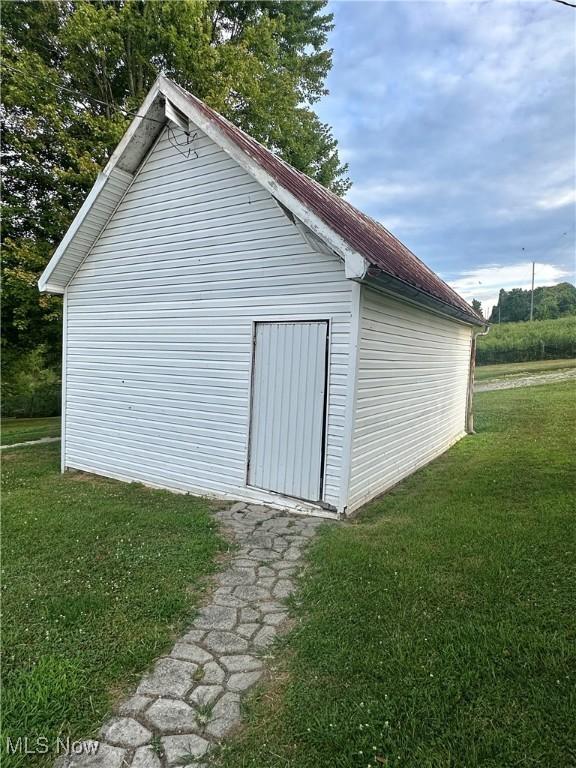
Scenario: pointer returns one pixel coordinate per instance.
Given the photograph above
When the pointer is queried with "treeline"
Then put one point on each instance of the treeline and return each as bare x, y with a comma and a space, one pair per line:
519, 342
550, 303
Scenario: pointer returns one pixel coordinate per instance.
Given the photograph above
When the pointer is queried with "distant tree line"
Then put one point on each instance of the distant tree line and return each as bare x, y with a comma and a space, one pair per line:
550, 303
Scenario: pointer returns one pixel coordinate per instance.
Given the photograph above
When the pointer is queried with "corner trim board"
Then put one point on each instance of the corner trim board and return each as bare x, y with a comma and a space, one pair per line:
355, 330
64, 384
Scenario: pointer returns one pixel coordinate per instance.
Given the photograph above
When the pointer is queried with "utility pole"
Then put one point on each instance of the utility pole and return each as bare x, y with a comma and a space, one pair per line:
532, 294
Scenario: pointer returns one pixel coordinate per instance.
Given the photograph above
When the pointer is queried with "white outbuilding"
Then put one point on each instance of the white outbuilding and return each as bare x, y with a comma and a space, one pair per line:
232, 329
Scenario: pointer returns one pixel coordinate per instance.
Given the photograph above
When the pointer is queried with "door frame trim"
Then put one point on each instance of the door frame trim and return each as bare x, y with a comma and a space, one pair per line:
324, 438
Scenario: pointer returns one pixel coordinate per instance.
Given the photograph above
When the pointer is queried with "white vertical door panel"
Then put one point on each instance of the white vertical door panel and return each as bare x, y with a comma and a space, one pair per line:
288, 408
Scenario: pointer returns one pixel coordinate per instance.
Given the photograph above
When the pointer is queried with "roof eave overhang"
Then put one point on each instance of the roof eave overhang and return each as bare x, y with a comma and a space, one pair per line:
385, 283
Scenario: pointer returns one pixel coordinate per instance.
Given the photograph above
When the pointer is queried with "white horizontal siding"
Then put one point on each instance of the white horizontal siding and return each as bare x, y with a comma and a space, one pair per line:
411, 392
159, 325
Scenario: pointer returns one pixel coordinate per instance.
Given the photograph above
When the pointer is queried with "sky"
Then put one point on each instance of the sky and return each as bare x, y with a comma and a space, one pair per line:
458, 122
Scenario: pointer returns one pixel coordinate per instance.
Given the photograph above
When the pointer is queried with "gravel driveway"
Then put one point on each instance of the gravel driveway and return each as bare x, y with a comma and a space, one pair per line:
512, 382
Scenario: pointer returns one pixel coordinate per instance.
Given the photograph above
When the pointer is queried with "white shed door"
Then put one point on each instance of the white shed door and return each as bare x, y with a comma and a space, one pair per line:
288, 408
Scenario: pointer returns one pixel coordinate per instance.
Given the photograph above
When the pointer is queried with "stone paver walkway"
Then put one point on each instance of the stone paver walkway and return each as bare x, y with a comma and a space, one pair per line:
190, 700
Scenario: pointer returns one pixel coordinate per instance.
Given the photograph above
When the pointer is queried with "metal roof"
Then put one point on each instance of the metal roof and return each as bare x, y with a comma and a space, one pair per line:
384, 252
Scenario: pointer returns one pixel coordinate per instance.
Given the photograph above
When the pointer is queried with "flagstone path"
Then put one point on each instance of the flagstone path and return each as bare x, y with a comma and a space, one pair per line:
190, 700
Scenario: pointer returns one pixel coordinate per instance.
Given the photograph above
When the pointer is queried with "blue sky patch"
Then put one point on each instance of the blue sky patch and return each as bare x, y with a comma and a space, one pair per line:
458, 122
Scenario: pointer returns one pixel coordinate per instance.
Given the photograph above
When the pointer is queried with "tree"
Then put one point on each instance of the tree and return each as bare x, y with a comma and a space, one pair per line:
477, 306
547, 308
565, 294
549, 302
74, 68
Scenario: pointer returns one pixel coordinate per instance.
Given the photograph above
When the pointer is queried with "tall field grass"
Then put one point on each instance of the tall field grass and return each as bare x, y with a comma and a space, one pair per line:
520, 342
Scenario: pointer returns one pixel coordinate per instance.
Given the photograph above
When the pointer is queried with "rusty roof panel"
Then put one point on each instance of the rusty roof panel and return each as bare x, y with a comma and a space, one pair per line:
365, 235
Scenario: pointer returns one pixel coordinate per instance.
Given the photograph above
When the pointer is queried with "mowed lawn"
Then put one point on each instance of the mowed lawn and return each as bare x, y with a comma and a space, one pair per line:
97, 578
438, 630
22, 430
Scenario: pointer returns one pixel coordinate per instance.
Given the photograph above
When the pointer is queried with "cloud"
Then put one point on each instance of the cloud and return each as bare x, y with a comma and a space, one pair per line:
485, 283
558, 199
401, 223
458, 122
384, 192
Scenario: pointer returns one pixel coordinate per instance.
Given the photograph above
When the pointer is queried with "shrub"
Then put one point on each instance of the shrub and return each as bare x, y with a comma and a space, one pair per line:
520, 342
30, 387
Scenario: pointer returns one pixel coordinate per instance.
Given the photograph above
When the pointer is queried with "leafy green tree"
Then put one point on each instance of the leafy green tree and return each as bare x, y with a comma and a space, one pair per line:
547, 308
477, 306
73, 69
550, 302
565, 294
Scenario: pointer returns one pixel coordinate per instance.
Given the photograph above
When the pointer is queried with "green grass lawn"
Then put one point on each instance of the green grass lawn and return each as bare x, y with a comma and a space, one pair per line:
502, 370
438, 630
21, 430
98, 577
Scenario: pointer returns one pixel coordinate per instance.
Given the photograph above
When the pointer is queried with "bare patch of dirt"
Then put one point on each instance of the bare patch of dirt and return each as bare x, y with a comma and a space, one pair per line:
85, 477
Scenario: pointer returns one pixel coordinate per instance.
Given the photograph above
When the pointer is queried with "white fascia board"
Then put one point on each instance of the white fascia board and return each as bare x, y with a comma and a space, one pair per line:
356, 264
43, 282
50, 287
111, 166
